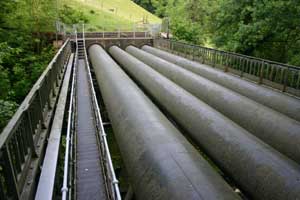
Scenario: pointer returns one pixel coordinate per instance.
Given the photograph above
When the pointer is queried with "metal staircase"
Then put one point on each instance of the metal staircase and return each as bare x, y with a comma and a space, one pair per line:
80, 43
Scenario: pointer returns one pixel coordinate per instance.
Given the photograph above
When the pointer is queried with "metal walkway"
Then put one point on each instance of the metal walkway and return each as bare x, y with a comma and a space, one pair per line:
89, 173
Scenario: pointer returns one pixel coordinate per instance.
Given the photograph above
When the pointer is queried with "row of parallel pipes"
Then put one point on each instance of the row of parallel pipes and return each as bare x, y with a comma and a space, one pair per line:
162, 163
276, 100
272, 127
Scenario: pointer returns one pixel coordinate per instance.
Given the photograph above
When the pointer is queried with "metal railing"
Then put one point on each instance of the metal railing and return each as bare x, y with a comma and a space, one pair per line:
68, 160
115, 35
111, 180
281, 76
22, 139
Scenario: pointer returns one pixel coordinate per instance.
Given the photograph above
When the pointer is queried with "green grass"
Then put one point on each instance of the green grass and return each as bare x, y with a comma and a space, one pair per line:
112, 15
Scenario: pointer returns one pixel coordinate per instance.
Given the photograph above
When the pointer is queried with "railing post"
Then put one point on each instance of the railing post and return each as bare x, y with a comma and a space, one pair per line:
214, 58
226, 60
286, 71
193, 52
30, 133
41, 108
133, 30
83, 30
242, 66
49, 95
226, 65
12, 187
261, 74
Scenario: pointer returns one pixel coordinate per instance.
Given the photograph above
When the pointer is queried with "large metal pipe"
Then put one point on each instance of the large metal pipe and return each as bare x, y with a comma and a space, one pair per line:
283, 103
261, 171
274, 128
161, 163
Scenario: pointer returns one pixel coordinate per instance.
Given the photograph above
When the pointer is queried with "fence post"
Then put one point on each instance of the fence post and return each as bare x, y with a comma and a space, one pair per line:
193, 52
261, 74
226, 65
10, 174
133, 30
243, 67
31, 131
214, 58
41, 108
285, 79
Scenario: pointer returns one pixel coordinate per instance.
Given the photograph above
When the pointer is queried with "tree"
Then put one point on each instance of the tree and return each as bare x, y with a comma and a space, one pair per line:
7, 109
185, 21
147, 4
268, 29
70, 16
24, 49
263, 28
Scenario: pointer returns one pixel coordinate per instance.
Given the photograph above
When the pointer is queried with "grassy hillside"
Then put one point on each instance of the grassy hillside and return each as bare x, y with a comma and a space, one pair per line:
113, 14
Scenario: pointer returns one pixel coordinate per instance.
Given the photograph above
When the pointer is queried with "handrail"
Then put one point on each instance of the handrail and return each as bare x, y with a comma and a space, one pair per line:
29, 98
116, 34
105, 152
281, 76
65, 188
237, 54
23, 138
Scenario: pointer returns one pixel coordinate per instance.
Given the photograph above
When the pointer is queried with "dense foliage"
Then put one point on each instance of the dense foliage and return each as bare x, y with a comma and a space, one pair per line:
147, 4
70, 16
263, 28
25, 46
23, 50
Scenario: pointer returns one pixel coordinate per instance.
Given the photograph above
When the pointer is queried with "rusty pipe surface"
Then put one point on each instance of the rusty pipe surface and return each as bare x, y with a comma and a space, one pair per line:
274, 128
261, 171
276, 100
161, 163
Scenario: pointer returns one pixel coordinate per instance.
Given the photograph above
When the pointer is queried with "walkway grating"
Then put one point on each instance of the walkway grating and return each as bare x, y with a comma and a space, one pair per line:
89, 173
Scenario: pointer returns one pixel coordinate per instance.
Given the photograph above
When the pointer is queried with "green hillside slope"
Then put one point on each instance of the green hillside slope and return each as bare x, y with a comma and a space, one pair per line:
113, 14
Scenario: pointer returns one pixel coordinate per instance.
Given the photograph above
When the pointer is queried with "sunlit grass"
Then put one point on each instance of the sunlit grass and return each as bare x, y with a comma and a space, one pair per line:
111, 15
